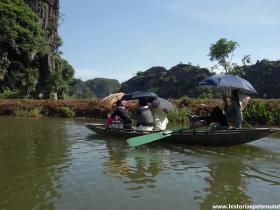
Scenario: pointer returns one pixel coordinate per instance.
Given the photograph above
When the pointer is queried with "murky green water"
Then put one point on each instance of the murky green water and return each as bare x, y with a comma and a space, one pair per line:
60, 164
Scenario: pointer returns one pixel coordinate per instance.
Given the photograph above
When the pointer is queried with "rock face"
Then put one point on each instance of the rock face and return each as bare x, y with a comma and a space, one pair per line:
48, 13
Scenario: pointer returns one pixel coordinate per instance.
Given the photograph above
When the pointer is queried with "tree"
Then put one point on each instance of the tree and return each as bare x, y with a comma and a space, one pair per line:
246, 60
222, 52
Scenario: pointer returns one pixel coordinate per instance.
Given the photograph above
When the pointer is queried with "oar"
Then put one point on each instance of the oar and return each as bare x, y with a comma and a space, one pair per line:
145, 139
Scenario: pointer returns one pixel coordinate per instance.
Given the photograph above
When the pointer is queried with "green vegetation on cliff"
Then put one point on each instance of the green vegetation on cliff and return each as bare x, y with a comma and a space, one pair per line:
26, 54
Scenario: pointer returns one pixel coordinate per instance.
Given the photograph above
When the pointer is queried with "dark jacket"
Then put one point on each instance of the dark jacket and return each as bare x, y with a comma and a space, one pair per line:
145, 117
123, 115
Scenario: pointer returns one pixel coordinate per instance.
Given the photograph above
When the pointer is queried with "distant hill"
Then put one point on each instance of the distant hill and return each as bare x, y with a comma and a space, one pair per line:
265, 77
99, 87
180, 80
102, 87
78, 89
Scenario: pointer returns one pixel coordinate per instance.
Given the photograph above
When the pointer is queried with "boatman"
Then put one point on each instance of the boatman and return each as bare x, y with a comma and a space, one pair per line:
233, 111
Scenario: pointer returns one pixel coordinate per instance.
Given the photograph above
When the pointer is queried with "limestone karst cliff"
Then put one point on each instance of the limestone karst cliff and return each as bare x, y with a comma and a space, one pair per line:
30, 63
48, 13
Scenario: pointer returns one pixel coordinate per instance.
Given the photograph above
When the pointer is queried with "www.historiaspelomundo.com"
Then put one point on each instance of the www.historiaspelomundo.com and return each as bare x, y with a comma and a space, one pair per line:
246, 206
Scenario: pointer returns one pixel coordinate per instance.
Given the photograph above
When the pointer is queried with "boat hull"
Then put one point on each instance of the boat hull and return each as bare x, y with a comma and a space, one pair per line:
224, 138
230, 137
120, 133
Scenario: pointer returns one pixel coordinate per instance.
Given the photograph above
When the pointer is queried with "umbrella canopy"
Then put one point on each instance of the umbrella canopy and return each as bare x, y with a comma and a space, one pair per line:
163, 104
227, 82
110, 100
140, 95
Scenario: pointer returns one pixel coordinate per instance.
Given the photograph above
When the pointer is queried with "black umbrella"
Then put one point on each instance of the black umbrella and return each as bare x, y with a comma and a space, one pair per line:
163, 104
149, 96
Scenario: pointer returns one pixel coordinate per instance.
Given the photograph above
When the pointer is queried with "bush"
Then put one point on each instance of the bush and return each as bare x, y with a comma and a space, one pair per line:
27, 112
178, 115
257, 112
185, 101
67, 112
275, 114
8, 94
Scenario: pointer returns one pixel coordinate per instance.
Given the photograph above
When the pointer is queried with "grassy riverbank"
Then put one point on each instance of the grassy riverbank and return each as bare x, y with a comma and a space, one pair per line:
58, 108
258, 111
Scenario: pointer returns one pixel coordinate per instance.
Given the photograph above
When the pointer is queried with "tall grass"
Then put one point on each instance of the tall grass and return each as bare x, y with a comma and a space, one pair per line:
178, 115
260, 112
67, 112
27, 112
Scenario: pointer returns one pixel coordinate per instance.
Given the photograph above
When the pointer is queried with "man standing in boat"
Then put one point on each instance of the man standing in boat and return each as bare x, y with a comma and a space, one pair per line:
233, 111
231, 116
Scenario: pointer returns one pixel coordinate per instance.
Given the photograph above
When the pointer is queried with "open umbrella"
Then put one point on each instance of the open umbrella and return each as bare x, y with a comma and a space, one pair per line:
140, 95
111, 99
227, 82
162, 103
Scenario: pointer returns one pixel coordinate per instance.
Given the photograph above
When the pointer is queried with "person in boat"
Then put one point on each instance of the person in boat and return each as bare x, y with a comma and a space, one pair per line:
231, 116
145, 120
160, 119
122, 115
233, 111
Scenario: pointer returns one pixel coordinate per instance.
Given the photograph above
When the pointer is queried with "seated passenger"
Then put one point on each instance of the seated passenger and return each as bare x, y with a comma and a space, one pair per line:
121, 114
160, 119
145, 120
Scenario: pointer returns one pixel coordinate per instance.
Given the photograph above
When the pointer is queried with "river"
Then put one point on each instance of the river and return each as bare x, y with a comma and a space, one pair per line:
51, 163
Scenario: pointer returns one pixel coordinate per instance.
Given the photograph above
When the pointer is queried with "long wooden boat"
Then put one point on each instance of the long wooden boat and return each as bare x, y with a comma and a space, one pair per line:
226, 137
116, 132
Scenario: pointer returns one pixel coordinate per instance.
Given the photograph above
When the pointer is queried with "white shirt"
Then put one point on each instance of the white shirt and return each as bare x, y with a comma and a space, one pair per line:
160, 119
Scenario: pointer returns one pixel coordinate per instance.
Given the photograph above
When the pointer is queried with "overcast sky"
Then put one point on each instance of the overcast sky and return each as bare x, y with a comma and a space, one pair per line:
117, 38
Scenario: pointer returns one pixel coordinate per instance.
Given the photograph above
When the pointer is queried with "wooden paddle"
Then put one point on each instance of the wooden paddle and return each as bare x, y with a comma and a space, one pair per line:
145, 139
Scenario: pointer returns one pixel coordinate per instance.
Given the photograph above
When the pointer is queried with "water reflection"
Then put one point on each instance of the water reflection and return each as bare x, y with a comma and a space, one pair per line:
230, 176
135, 168
33, 157
226, 184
